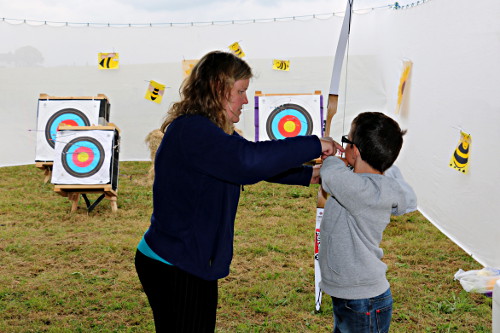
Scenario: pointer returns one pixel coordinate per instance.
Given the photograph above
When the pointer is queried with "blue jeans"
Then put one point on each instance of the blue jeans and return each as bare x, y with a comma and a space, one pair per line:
369, 315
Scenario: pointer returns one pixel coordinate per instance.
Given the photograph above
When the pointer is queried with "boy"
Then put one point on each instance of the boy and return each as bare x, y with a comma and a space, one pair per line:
355, 217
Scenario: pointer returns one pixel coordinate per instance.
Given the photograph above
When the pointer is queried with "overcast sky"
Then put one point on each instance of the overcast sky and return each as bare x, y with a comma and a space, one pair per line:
167, 11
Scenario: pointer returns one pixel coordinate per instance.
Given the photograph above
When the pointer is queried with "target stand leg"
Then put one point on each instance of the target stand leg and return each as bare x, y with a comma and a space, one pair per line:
48, 175
112, 199
46, 167
74, 197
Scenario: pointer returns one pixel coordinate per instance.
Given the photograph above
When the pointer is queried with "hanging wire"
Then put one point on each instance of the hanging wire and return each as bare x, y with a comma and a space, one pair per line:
323, 16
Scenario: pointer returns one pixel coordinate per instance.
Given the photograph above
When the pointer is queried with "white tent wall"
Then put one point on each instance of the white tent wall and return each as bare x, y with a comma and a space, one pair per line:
454, 46
62, 61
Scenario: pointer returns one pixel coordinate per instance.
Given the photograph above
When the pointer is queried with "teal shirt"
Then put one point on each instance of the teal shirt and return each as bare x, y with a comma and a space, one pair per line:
146, 250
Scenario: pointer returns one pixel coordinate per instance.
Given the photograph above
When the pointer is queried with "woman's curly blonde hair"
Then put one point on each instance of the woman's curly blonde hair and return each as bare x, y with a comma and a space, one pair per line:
208, 86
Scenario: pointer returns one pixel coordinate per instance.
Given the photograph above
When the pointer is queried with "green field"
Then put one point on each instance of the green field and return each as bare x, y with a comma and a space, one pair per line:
74, 272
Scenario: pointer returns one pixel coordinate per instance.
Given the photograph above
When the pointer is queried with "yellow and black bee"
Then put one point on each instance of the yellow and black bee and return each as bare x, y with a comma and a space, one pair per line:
237, 50
108, 60
460, 158
154, 94
281, 65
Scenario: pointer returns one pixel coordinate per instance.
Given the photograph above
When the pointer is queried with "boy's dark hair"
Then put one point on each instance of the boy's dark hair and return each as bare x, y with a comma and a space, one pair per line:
379, 139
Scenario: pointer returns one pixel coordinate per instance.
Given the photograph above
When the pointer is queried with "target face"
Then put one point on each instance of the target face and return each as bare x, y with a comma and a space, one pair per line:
65, 117
82, 157
288, 120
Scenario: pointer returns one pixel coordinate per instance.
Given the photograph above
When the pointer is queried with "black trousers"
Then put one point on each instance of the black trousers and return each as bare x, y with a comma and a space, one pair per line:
181, 302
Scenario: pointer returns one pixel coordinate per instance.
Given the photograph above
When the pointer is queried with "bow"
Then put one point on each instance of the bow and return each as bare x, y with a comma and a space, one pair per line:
333, 98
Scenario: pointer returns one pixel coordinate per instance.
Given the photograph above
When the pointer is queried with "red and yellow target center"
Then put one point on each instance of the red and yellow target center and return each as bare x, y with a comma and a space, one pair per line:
83, 157
289, 126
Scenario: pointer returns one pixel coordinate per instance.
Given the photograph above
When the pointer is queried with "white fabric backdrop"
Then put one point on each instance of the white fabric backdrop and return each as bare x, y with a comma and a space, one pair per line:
454, 46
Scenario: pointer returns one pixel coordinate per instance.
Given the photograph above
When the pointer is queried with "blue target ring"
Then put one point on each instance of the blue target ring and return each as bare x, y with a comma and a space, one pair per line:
82, 157
289, 120
70, 117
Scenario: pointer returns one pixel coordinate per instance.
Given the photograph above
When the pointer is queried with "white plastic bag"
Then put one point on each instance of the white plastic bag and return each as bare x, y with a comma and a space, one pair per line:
478, 281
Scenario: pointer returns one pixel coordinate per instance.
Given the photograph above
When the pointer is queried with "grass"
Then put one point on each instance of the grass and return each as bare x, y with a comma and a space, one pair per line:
74, 272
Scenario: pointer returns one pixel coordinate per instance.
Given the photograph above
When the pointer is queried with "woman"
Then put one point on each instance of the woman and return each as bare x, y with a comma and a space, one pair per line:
200, 167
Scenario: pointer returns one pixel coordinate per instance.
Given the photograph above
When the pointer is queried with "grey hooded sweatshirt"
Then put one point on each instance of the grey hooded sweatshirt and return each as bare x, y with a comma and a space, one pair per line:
356, 213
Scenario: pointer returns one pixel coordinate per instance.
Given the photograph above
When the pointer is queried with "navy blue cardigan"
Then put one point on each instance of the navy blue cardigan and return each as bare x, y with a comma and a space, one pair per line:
198, 173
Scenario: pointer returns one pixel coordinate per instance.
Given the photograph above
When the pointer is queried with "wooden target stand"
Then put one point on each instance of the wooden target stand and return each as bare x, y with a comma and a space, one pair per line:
46, 167
73, 192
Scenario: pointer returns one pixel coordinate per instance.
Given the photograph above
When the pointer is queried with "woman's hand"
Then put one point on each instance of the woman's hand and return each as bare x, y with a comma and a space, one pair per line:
329, 147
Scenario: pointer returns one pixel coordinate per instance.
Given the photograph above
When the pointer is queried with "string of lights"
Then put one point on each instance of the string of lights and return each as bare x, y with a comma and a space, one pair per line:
324, 16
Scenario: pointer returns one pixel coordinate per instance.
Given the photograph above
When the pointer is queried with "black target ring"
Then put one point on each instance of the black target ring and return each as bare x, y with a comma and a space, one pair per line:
82, 157
288, 120
69, 116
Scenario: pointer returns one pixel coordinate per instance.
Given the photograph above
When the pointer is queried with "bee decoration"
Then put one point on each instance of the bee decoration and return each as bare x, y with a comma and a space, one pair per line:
460, 158
237, 50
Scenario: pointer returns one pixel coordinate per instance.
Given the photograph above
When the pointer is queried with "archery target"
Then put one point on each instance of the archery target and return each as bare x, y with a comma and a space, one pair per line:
281, 117
84, 157
288, 120
55, 113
